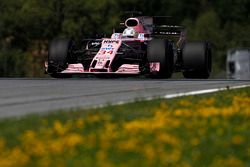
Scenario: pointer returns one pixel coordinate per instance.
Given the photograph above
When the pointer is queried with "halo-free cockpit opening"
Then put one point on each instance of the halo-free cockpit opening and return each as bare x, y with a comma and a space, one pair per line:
131, 23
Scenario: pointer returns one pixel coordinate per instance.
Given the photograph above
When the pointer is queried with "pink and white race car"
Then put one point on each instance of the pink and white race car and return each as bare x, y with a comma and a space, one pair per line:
143, 47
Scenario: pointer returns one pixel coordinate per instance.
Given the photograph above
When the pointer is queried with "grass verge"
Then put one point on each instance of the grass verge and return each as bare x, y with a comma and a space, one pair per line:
204, 130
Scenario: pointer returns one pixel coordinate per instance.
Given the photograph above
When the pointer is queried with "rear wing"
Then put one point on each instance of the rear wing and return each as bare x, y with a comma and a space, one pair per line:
172, 30
164, 25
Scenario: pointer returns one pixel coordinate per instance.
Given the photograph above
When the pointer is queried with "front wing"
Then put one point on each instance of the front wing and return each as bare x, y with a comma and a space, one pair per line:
131, 69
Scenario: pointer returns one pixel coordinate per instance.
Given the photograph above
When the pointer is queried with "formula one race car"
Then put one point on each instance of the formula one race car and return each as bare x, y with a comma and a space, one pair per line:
144, 47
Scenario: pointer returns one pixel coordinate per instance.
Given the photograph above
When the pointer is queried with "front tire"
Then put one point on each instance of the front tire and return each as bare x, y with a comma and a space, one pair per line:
60, 51
161, 51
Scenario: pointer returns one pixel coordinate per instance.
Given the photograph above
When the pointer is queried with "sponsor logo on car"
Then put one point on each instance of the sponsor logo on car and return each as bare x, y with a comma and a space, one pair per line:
111, 41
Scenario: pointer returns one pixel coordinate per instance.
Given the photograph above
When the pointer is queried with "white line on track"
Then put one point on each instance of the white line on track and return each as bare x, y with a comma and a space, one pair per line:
198, 92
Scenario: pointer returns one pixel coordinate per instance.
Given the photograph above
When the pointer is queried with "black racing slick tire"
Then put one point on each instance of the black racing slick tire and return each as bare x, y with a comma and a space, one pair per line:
60, 51
161, 51
197, 60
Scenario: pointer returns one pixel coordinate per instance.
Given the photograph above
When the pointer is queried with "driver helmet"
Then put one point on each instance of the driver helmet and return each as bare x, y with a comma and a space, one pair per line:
130, 33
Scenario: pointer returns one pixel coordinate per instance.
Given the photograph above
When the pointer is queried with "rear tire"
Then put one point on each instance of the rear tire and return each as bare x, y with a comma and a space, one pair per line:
197, 60
161, 51
60, 51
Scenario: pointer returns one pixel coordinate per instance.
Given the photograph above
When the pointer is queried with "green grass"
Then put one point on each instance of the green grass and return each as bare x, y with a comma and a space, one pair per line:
202, 140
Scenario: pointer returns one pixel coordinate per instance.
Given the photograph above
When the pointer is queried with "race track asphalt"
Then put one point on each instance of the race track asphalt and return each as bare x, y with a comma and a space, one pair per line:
20, 96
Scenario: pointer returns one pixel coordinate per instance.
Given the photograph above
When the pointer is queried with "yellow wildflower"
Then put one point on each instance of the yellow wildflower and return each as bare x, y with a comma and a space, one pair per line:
56, 146
94, 118
247, 112
228, 162
175, 156
228, 112
168, 139
195, 141
18, 157
38, 148
110, 127
170, 157
59, 128
241, 100
185, 164
79, 123
208, 111
128, 145
237, 139
163, 106
44, 162
185, 103
29, 135
102, 159
196, 154
71, 140
183, 113
149, 152
206, 102
4, 162
201, 131
215, 121
2, 143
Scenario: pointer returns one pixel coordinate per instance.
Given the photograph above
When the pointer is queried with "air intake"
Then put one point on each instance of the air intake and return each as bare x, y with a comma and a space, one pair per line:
132, 22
